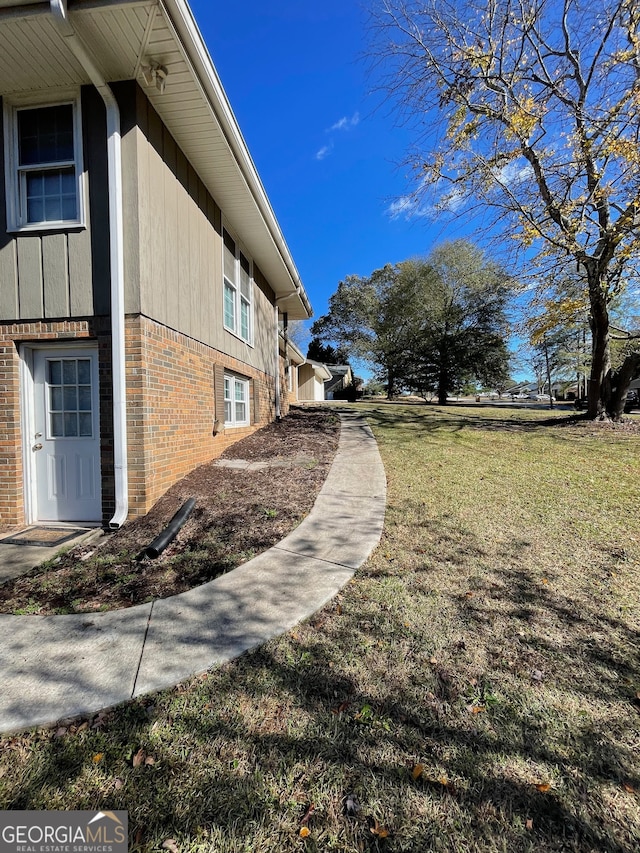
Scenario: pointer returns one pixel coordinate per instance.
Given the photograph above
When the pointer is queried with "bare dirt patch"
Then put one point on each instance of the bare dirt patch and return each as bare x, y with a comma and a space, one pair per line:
239, 513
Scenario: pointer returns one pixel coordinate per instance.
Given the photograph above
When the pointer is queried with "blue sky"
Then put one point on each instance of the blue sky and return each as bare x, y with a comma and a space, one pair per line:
328, 154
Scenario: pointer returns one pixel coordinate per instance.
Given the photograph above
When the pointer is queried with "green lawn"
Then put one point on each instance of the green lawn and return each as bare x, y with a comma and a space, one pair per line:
476, 687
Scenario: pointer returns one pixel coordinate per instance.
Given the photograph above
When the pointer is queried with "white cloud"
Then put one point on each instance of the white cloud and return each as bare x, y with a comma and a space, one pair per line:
452, 201
402, 206
408, 207
345, 123
514, 173
411, 206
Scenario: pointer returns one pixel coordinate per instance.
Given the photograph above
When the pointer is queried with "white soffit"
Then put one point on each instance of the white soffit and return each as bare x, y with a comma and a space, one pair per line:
122, 35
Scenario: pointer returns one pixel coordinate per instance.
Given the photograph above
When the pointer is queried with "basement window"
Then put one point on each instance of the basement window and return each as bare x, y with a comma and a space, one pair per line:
236, 401
43, 152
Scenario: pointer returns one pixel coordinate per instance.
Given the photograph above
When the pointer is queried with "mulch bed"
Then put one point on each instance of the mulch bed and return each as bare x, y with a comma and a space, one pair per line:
238, 514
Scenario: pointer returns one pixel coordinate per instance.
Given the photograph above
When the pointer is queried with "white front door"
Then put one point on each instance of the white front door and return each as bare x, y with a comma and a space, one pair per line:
65, 445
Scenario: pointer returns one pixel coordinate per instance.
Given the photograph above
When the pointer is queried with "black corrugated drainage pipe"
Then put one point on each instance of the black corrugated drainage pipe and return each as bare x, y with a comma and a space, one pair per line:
170, 532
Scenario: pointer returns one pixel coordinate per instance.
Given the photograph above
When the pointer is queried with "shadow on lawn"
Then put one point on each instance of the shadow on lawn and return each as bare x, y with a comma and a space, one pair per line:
348, 704
241, 753
457, 417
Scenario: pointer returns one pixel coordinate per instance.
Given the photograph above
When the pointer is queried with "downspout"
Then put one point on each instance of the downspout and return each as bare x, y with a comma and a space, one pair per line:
116, 248
278, 394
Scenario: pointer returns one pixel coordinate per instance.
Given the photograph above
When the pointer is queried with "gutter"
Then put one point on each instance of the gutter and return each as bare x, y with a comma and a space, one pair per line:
60, 15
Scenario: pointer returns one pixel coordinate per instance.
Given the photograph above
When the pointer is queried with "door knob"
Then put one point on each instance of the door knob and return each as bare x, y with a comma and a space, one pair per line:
37, 446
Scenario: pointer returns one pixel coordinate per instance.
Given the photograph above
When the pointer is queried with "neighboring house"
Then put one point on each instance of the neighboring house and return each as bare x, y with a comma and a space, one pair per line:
142, 271
341, 378
522, 389
291, 359
312, 376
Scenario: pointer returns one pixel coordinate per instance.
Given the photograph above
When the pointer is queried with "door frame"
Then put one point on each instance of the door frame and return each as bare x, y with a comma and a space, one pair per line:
27, 406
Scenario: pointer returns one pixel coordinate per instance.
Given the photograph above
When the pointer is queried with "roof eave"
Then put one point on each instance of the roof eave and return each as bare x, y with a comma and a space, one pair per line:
187, 30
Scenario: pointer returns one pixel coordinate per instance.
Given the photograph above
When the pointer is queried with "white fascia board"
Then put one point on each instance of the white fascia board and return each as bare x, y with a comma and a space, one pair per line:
320, 371
296, 355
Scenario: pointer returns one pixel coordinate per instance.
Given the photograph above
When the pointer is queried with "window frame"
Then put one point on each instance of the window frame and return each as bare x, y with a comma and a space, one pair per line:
235, 382
235, 288
15, 175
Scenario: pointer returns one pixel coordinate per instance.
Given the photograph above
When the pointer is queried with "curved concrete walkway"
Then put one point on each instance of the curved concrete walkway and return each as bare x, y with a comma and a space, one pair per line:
54, 667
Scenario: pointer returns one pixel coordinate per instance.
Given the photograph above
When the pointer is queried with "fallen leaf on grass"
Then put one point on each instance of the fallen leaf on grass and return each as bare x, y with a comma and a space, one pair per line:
545, 580
341, 707
138, 758
377, 829
628, 788
543, 787
446, 787
417, 771
305, 832
529, 823
477, 709
308, 813
100, 720
171, 845
433, 661
97, 758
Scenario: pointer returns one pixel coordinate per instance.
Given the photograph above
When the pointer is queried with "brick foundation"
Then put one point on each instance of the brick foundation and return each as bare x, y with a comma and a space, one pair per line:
170, 408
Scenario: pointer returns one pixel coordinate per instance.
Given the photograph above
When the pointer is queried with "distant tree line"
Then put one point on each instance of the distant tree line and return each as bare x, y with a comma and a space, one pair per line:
430, 325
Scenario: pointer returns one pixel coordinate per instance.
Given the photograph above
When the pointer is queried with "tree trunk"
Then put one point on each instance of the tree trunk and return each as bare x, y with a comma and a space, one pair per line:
548, 366
623, 378
443, 376
391, 385
600, 379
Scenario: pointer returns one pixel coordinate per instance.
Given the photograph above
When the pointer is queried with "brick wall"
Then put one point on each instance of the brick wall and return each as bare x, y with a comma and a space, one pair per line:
170, 408
11, 474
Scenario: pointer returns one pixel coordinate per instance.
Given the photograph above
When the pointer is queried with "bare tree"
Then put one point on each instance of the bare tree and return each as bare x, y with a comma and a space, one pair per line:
531, 108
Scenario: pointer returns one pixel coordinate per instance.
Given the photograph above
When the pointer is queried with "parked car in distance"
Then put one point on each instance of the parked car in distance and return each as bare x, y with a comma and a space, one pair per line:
632, 401
541, 397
